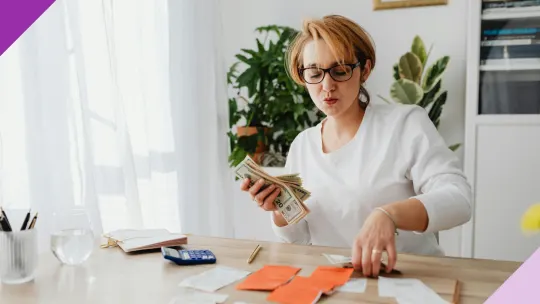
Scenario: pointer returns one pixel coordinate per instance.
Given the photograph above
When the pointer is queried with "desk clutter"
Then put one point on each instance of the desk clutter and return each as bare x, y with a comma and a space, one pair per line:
283, 284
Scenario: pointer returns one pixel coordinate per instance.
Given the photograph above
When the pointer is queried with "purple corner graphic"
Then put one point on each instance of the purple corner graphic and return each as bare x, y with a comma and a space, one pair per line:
522, 286
16, 16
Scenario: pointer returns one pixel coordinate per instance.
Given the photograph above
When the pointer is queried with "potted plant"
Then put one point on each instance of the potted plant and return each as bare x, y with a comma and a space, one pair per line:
268, 108
416, 84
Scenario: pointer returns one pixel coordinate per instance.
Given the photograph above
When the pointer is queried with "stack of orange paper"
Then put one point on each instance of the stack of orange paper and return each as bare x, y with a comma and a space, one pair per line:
308, 290
268, 278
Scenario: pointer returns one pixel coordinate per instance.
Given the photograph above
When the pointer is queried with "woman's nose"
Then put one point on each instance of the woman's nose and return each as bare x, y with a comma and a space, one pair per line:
328, 84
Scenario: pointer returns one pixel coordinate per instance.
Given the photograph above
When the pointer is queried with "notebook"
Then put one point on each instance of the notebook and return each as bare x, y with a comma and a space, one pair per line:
135, 240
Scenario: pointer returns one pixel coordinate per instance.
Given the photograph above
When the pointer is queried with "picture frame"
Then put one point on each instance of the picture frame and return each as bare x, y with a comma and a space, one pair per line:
394, 4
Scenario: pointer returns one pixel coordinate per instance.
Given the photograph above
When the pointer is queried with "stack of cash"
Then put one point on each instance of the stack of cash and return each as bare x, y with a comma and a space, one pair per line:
290, 201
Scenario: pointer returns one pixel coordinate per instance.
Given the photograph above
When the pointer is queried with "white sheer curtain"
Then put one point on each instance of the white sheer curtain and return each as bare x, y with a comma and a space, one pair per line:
119, 107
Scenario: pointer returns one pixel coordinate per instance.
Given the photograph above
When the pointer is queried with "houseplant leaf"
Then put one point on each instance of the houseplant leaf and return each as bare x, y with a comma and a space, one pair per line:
396, 72
406, 91
419, 49
436, 109
410, 67
429, 96
454, 147
434, 73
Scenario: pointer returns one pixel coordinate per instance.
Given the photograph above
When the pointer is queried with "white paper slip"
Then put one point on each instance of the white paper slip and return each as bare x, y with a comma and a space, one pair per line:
356, 285
420, 294
192, 296
214, 279
408, 291
337, 259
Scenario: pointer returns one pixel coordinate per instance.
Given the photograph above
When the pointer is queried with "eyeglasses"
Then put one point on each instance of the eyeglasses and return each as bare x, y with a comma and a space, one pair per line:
339, 73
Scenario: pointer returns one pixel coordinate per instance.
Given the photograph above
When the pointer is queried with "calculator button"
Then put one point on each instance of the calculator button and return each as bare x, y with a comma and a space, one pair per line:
185, 255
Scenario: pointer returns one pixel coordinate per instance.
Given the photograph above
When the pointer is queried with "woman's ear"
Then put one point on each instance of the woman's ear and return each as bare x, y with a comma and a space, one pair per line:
366, 71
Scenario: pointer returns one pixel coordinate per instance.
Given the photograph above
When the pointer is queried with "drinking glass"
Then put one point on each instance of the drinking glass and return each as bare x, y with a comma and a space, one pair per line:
72, 240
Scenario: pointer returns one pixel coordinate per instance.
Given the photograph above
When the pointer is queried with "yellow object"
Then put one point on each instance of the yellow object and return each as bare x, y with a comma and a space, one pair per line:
531, 219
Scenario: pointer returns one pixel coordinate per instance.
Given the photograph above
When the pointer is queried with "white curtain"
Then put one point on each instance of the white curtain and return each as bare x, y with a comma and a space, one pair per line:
118, 107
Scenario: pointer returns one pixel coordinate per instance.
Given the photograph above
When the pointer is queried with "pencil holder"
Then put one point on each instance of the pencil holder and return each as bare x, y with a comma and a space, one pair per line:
18, 256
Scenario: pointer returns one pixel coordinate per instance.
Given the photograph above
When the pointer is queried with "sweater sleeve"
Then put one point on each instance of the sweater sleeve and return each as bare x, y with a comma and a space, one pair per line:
296, 233
435, 171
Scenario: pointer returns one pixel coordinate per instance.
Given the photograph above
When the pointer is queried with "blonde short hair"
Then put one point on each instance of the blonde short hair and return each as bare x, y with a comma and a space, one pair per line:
346, 39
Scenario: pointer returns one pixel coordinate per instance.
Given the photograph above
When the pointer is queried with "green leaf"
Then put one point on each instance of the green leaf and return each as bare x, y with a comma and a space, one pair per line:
410, 67
243, 59
454, 147
419, 49
396, 72
234, 117
436, 109
435, 72
406, 91
429, 97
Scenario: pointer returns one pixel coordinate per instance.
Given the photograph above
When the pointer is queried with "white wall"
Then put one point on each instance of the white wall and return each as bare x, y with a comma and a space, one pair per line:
392, 31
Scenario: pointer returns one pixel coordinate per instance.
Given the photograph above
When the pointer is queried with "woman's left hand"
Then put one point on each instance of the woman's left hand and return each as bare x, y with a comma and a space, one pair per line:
377, 235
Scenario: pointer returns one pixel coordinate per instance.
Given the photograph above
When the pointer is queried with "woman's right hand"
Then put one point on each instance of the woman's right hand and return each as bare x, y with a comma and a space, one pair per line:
263, 197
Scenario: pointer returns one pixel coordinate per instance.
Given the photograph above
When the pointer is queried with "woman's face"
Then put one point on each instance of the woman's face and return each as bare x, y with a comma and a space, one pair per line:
332, 97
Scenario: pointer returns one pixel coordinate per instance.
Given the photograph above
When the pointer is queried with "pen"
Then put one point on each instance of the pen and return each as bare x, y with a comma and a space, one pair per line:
3, 225
254, 253
26, 219
33, 223
6, 226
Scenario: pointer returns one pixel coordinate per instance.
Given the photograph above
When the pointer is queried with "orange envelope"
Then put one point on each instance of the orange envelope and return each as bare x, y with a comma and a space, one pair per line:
300, 290
269, 277
334, 275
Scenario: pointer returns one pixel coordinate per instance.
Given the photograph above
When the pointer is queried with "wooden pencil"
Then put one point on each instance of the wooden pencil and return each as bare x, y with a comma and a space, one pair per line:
457, 290
254, 254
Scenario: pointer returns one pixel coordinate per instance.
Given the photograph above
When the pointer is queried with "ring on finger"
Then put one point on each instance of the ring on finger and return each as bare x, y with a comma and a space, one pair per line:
376, 251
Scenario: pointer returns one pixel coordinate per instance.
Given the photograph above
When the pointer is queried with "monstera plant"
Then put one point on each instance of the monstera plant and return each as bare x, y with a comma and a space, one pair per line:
418, 83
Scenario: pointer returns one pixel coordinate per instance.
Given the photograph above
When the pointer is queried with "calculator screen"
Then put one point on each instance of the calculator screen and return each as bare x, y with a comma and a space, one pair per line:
172, 252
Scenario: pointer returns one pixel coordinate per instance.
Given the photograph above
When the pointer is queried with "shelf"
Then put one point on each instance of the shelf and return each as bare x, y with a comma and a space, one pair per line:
507, 119
526, 64
511, 13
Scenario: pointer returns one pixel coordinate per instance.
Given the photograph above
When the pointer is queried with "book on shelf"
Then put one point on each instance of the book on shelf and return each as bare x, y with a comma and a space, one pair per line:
502, 4
510, 51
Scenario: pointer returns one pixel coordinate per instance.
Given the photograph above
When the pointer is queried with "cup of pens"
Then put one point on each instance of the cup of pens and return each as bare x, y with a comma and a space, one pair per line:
18, 251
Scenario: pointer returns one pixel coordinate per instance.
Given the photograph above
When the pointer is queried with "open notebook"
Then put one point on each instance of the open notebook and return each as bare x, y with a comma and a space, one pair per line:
135, 240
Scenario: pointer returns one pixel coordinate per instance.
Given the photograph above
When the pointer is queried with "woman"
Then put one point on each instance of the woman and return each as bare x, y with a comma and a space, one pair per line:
381, 176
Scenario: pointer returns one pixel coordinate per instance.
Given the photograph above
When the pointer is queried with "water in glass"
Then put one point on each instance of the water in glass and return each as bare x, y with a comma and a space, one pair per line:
72, 242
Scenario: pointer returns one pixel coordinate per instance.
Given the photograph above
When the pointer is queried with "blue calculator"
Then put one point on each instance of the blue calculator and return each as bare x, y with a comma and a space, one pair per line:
188, 257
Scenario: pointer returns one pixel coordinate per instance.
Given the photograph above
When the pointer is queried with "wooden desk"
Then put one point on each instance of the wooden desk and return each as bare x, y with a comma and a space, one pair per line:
111, 276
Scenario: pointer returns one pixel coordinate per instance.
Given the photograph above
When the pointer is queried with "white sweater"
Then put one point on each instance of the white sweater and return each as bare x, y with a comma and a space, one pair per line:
397, 153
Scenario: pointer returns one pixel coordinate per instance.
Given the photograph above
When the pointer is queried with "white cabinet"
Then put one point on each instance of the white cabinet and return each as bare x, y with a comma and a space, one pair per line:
502, 132
507, 183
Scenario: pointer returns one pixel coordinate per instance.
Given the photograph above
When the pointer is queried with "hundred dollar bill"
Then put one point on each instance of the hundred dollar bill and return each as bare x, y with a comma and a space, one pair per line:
299, 192
288, 203
291, 178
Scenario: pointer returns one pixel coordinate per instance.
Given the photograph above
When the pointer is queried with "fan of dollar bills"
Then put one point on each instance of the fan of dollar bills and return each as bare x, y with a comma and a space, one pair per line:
290, 201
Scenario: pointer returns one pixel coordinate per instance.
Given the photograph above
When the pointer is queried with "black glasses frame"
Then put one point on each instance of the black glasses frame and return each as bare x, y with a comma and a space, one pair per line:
325, 71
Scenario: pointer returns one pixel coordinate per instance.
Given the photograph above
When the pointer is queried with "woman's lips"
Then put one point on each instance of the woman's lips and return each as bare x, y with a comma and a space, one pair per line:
330, 101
